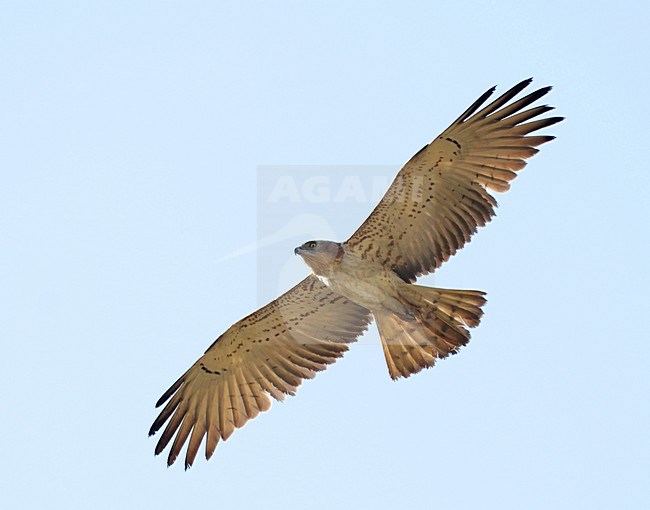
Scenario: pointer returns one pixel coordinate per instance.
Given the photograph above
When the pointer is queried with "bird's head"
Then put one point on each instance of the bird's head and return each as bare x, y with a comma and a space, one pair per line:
320, 255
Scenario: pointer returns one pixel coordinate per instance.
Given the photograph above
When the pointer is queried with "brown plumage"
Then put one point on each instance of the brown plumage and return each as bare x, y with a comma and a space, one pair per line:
437, 201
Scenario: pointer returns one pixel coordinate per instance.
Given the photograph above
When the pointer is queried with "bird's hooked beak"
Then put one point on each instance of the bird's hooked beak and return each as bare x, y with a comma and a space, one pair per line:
297, 250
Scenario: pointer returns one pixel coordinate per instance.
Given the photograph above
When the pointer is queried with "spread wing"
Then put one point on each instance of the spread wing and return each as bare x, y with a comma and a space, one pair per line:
266, 354
442, 194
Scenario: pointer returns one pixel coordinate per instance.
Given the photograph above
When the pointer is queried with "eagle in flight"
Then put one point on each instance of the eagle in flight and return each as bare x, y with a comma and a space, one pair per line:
436, 202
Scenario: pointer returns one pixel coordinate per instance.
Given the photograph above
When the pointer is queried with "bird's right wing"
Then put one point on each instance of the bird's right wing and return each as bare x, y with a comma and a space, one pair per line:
442, 194
266, 354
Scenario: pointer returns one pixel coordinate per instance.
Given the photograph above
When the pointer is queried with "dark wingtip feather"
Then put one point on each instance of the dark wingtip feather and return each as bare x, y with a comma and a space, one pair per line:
170, 391
525, 83
475, 105
519, 87
534, 96
514, 90
550, 121
161, 444
537, 140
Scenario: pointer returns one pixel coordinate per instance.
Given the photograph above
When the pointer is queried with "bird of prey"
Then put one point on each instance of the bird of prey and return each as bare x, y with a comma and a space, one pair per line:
437, 201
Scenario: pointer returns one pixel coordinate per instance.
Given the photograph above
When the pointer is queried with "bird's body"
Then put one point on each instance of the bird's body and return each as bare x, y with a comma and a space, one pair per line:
433, 207
417, 324
366, 283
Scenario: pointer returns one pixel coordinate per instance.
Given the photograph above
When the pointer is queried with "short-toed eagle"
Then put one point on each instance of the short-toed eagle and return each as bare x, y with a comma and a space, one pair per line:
437, 201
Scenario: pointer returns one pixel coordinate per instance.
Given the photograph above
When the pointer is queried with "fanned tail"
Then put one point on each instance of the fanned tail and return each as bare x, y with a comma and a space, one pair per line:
440, 327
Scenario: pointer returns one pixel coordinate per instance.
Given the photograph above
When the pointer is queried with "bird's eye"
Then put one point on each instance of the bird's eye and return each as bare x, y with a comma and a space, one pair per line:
311, 245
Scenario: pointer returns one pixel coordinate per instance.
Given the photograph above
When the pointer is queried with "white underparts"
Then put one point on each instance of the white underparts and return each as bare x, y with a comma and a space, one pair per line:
324, 279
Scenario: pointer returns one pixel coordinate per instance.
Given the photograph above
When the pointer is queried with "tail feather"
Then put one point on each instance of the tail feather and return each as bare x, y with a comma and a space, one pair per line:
440, 328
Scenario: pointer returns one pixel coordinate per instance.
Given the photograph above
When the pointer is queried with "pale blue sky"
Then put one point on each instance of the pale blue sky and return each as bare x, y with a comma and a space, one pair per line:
130, 138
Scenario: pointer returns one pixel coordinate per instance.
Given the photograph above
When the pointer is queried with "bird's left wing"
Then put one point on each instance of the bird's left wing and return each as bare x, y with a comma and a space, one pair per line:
266, 354
442, 194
